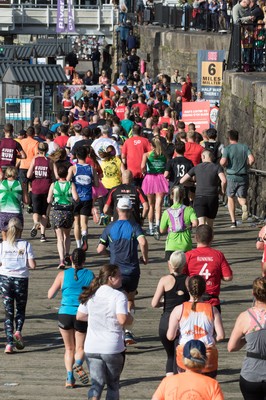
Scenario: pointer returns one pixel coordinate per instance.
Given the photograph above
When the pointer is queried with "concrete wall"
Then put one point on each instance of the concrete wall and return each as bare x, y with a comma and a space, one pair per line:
243, 107
165, 49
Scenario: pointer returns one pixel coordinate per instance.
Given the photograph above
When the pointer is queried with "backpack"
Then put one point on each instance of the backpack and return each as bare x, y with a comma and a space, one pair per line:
176, 216
214, 148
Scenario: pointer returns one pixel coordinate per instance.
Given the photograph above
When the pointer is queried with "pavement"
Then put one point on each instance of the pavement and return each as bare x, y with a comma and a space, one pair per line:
38, 372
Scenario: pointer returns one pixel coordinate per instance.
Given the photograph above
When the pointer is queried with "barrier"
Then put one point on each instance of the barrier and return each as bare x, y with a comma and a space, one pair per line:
246, 53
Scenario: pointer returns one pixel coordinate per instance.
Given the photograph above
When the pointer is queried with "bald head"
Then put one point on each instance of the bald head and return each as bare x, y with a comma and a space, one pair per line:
127, 176
207, 156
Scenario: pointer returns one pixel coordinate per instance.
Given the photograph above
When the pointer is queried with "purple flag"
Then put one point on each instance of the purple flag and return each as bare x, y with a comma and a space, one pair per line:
70, 17
60, 23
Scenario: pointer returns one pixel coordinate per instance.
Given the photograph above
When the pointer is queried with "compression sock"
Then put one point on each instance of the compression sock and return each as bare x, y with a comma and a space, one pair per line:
78, 244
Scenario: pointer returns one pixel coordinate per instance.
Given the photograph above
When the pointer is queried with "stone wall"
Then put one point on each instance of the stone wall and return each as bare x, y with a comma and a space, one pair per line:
243, 107
243, 102
165, 49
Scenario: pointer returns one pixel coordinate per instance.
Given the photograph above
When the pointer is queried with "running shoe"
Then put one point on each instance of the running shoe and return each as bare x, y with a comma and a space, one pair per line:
101, 219
61, 266
29, 210
234, 225
149, 232
244, 212
106, 220
34, 230
67, 260
9, 349
18, 339
81, 374
70, 383
157, 233
129, 338
43, 238
84, 241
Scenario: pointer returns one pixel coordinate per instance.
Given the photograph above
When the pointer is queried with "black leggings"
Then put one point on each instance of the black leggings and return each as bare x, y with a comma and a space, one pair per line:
14, 290
169, 345
252, 390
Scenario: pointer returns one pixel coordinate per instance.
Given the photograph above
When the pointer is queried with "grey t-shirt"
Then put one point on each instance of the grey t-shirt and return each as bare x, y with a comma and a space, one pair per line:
207, 179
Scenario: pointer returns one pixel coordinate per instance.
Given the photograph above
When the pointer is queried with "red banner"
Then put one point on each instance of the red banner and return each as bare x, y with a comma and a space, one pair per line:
197, 112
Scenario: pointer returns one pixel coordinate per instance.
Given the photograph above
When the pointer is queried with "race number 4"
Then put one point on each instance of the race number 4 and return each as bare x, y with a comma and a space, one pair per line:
205, 272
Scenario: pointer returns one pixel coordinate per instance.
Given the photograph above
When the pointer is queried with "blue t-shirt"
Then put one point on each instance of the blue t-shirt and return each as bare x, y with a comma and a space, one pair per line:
121, 237
83, 181
72, 289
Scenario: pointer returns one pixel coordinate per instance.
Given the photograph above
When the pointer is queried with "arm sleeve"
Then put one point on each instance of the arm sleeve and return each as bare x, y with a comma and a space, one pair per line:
104, 237
121, 304
168, 166
83, 308
225, 267
191, 172
30, 253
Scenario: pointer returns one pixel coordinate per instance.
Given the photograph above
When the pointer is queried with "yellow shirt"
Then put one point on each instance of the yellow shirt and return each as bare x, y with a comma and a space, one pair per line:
111, 172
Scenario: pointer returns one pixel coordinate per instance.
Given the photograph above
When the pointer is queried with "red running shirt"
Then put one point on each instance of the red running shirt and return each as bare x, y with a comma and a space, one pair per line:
133, 150
212, 265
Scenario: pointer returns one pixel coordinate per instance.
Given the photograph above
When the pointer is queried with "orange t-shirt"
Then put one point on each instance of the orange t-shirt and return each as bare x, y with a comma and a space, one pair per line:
30, 146
188, 385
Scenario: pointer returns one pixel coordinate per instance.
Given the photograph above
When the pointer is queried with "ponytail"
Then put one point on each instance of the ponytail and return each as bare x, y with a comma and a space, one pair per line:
196, 288
107, 271
177, 194
14, 230
78, 258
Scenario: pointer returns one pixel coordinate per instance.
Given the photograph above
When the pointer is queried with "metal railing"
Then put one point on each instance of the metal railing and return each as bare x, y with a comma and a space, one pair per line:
247, 52
188, 18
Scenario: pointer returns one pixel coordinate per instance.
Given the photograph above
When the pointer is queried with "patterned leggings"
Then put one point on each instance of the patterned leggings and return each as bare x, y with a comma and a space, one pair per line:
14, 289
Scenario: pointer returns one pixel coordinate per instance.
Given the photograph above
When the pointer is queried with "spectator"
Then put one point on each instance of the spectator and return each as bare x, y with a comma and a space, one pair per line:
185, 92
131, 41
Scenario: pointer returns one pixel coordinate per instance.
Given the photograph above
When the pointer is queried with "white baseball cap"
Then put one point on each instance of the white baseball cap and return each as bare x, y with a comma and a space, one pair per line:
124, 203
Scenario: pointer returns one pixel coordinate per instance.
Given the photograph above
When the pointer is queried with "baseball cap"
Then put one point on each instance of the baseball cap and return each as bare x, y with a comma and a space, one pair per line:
195, 344
124, 203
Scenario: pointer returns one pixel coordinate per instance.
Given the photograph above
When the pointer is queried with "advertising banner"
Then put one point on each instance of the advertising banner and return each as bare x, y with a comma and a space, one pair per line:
70, 17
210, 74
60, 23
197, 112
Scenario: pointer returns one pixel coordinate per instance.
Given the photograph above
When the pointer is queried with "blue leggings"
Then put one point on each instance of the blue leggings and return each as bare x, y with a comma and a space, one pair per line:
14, 290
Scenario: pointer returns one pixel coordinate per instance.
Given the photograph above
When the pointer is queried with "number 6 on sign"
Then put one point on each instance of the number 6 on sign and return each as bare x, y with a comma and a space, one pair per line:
205, 272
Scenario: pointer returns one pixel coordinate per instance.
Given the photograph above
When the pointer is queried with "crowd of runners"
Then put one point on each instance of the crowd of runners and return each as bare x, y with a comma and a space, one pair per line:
127, 160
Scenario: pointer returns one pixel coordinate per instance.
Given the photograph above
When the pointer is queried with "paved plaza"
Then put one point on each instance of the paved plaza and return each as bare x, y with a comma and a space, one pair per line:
38, 373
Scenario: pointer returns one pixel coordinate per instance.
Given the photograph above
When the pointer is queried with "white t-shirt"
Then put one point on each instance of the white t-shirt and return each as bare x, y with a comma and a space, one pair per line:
104, 142
104, 334
73, 140
15, 258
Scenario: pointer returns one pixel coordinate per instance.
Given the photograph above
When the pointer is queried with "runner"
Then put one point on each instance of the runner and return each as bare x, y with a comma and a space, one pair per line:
16, 259
178, 221
237, 158
209, 263
10, 149
84, 177
122, 237
71, 282
195, 319
62, 194
40, 171
154, 185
